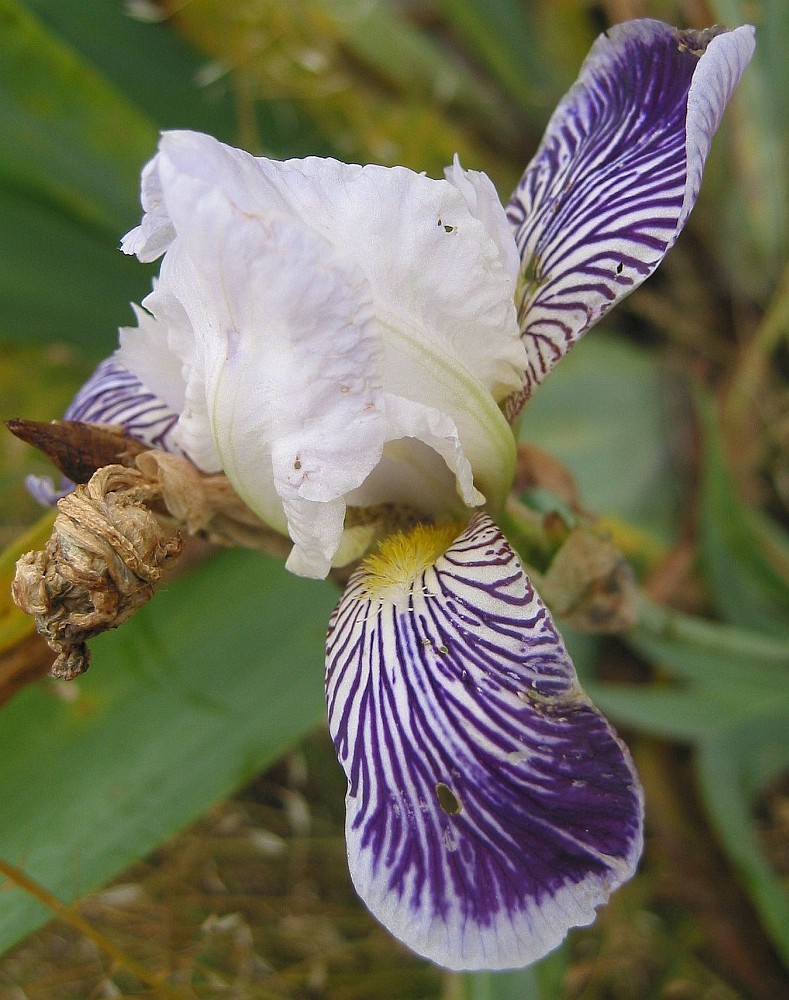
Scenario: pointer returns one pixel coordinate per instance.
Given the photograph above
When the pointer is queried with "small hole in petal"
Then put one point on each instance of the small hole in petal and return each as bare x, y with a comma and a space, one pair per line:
447, 799
297, 464
620, 267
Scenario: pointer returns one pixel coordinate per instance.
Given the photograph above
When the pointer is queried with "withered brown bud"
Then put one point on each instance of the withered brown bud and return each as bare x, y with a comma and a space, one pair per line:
105, 555
114, 537
78, 449
590, 584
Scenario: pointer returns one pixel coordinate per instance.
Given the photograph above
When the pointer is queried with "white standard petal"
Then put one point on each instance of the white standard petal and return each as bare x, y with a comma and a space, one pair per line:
439, 272
422, 464
154, 235
145, 351
287, 344
438, 276
484, 204
335, 311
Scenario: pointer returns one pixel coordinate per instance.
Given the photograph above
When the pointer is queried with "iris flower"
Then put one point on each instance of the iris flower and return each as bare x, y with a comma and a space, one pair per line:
351, 346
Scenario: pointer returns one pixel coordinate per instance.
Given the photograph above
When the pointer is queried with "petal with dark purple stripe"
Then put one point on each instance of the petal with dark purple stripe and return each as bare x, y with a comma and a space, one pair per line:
114, 395
490, 807
616, 176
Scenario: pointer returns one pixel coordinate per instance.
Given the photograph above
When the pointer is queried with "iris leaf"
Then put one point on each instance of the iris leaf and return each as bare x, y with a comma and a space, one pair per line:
69, 138
172, 90
735, 767
757, 250
511, 39
69, 164
710, 654
516, 985
212, 681
680, 713
742, 567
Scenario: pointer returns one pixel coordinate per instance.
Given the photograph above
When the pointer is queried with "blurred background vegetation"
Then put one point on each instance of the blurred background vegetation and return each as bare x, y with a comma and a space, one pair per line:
191, 765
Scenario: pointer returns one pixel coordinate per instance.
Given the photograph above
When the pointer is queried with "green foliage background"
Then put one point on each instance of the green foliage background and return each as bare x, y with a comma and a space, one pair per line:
673, 418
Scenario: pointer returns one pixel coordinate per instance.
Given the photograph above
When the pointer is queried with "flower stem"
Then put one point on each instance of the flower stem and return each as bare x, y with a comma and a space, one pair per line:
70, 916
711, 636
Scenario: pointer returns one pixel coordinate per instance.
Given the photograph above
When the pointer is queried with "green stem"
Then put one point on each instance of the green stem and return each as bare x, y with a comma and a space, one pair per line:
70, 916
711, 636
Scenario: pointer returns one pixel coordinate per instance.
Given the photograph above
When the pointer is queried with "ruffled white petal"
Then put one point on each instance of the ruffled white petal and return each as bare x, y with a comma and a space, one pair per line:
330, 319
288, 349
154, 235
483, 202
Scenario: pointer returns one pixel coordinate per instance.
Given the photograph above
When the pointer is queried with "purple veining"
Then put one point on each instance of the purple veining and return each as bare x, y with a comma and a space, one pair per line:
487, 705
613, 181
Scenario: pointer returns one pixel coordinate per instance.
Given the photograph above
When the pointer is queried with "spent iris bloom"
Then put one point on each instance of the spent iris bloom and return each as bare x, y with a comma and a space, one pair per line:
351, 346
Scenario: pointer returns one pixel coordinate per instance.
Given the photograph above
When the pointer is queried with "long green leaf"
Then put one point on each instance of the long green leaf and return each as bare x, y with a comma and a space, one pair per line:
710, 653
759, 248
734, 768
69, 138
511, 40
60, 283
69, 174
748, 589
149, 63
210, 682
683, 713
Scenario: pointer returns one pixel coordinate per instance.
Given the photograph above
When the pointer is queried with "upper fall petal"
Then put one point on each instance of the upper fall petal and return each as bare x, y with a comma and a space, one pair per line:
490, 807
616, 176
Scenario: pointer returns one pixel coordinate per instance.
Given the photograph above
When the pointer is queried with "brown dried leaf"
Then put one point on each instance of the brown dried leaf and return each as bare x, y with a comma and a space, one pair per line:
78, 449
590, 584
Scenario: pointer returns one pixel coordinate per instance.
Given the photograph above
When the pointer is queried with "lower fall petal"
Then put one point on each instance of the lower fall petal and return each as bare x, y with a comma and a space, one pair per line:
490, 806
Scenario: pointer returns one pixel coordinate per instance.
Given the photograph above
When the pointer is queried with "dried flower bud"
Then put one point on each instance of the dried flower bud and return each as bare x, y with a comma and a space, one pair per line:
114, 537
106, 552
590, 584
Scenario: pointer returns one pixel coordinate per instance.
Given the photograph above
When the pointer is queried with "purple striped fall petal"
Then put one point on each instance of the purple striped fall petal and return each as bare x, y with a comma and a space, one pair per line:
616, 176
113, 395
490, 807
